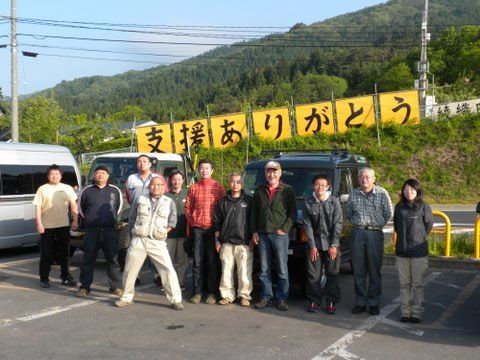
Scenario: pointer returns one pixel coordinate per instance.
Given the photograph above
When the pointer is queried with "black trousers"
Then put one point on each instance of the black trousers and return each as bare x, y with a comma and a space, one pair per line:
96, 239
206, 262
314, 290
54, 244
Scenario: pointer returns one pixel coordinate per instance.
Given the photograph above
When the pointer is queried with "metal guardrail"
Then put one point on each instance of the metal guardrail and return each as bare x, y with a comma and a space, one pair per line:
476, 239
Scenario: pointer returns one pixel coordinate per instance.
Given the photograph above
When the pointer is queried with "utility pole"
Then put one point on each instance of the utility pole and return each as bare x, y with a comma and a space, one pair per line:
423, 63
13, 49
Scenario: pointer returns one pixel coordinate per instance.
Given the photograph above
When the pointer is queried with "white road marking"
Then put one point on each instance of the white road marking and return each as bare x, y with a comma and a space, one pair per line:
448, 285
338, 348
19, 262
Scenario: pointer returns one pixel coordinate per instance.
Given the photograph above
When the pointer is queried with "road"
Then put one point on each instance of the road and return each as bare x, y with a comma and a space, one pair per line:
54, 324
461, 215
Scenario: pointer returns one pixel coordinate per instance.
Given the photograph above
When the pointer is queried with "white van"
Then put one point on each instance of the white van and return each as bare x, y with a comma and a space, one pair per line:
23, 168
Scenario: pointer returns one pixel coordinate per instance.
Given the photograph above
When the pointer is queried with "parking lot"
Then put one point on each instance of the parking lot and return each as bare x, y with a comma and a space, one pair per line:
54, 324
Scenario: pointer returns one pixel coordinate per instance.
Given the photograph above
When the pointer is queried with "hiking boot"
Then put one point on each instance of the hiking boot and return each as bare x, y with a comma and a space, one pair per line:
282, 305
415, 319
177, 306
211, 299
331, 308
358, 309
244, 302
82, 292
374, 310
313, 307
44, 284
195, 299
263, 303
224, 301
116, 291
69, 282
123, 303
405, 319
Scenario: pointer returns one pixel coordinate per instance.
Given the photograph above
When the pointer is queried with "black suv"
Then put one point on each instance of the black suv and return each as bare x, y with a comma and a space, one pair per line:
298, 170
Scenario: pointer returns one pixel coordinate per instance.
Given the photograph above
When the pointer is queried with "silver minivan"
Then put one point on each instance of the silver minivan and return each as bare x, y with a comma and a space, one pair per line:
23, 168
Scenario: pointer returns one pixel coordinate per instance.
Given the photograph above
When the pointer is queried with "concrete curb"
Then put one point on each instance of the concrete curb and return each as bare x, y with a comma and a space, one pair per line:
443, 263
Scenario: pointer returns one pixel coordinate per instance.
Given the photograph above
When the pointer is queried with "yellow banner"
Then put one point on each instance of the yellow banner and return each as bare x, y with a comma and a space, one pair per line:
272, 124
154, 139
228, 129
314, 118
193, 133
400, 107
355, 112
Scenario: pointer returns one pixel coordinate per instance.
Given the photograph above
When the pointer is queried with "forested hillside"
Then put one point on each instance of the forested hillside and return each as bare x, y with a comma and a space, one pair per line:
346, 54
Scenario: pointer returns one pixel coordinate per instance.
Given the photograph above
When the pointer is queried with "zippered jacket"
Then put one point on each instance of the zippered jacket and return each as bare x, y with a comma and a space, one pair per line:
231, 219
412, 223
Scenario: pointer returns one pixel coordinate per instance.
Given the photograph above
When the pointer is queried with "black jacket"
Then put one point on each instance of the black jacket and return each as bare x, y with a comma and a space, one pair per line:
322, 222
231, 219
179, 199
412, 222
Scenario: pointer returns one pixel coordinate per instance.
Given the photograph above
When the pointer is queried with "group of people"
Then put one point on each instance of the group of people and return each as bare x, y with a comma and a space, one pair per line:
221, 229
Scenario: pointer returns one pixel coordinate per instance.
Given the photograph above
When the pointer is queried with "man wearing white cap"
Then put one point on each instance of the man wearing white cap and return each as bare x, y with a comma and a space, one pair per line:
273, 214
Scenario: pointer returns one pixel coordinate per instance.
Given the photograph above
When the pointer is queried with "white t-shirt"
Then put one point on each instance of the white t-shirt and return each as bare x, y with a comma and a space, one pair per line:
54, 200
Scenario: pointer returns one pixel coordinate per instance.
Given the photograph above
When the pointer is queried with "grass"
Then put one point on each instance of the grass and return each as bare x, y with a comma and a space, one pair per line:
461, 246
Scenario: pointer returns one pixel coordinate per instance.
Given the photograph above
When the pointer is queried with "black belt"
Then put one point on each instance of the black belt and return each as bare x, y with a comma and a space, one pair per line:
368, 227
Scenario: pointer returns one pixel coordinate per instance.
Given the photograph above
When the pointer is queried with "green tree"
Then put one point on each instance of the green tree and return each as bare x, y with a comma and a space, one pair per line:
81, 134
397, 77
39, 120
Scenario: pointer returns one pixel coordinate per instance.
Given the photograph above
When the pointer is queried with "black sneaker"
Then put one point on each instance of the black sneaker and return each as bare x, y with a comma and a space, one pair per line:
313, 308
69, 282
262, 304
415, 319
358, 309
374, 310
405, 319
44, 284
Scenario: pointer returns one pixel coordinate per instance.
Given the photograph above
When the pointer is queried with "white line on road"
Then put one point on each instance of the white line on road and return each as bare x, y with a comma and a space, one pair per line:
338, 348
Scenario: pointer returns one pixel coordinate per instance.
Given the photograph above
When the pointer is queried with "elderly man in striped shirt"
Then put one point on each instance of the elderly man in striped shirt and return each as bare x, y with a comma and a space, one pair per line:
202, 198
369, 208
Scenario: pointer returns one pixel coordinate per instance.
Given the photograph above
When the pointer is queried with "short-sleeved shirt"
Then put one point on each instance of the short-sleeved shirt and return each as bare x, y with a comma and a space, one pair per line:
54, 201
136, 186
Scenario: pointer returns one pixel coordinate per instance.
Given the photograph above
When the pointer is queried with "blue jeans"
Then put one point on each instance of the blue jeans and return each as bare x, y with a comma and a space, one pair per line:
273, 246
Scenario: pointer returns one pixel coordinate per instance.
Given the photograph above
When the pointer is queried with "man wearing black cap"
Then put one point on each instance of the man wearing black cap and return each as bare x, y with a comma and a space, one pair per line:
100, 204
272, 215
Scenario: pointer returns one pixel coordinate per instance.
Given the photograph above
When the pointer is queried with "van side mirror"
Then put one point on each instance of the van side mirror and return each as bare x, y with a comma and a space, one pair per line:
343, 198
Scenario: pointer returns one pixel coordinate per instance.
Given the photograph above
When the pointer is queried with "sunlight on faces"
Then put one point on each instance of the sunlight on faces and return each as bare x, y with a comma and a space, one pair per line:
410, 193
156, 187
205, 170
54, 176
176, 181
143, 164
235, 183
100, 177
273, 175
320, 187
366, 178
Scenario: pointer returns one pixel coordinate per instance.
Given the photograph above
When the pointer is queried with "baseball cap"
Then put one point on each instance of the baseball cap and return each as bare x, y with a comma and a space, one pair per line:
273, 165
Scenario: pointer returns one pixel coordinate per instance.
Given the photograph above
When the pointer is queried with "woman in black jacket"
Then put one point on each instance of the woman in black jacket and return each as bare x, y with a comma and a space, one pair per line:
413, 221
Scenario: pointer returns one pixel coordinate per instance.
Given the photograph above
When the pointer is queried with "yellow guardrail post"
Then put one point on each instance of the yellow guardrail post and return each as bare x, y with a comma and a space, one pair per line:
476, 239
448, 230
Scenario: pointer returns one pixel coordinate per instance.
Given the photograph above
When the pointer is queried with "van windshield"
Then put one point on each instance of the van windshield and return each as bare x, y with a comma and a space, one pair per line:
121, 168
298, 178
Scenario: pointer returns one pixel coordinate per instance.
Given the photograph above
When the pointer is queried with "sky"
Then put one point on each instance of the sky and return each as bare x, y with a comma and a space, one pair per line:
173, 23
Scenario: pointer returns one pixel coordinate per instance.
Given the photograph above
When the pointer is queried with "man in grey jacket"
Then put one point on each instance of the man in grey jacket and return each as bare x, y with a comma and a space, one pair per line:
322, 222
154, 216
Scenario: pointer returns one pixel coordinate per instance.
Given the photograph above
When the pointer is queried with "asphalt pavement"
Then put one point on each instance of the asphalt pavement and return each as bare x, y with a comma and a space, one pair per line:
54, 324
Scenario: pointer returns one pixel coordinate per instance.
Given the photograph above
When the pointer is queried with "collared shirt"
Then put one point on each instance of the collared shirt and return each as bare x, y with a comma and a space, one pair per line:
369, 209
136, 186
200, 204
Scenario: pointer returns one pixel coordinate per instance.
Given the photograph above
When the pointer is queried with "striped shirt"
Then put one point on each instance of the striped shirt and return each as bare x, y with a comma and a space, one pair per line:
371, 209
200, 204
